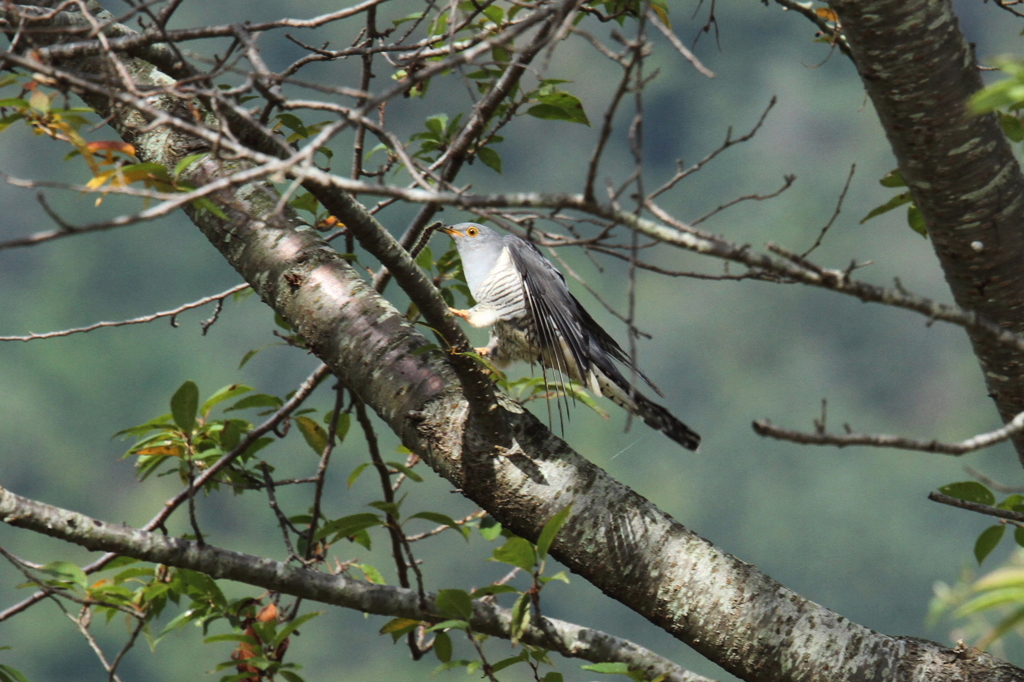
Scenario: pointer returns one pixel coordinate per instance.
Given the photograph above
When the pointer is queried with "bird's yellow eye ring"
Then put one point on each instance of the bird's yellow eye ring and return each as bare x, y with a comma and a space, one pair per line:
472, 232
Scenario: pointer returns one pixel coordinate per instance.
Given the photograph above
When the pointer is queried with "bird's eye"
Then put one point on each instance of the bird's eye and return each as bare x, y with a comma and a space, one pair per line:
472, 231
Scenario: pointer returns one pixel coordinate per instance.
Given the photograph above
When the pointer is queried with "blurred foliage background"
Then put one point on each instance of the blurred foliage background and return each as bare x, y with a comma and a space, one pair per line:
850, 529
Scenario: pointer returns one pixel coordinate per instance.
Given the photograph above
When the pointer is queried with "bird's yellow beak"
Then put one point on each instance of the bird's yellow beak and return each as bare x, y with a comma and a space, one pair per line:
450, 232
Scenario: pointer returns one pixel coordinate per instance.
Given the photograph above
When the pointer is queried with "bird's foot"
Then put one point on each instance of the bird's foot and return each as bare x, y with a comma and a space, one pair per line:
464, 314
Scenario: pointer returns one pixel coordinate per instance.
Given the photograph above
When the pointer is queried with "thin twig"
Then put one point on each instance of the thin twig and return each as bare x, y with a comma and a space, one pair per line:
282, 520
763, 427
136, 320
976, 507
321, 471
835, 213
678, 44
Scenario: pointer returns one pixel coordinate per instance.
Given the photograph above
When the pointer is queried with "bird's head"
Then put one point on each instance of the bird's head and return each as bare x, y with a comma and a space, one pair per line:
479, 247
474, 238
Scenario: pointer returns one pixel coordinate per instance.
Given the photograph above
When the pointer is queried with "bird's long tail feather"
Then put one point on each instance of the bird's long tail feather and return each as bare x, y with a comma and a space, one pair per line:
651, 413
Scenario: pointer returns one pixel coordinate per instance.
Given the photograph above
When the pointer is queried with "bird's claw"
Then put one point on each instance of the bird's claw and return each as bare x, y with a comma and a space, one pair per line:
464, 314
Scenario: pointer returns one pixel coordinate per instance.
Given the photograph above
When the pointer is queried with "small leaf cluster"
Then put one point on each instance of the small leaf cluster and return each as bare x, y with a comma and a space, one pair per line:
972, 491
189, 439
455, 606
261, 645
915, 220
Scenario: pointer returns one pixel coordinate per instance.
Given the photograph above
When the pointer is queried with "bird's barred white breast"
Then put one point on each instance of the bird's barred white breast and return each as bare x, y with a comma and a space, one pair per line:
502, 290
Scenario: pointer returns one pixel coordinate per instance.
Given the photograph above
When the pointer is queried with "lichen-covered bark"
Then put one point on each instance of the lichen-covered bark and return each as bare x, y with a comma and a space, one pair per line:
616, 539
920, 74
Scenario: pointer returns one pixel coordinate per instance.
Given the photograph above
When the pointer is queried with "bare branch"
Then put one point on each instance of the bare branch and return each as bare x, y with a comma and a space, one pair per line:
976, 507
763, 427
835, 213
678, 44
136, 320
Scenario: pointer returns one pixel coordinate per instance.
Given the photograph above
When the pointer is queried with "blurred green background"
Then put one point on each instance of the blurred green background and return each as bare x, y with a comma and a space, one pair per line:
850, 529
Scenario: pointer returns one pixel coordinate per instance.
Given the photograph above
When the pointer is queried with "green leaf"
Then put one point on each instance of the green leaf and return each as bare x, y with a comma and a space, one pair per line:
969, 491
355, 472
305, 202
205, 204
349, 525
916, 221
399, 627
392, 508
436, 124
9, 674
557, 576
39, 101
315, 435
184, 404
455, 603
1018, 535
517, 552
398, 466
64, 573
1010, 502
371, 574
660, 7
293, 626
987, 541
425, 260
893, 178
1011, 126
553, 677
231, 434
895, 202
426, 348
415, 16
290, 676
451, 665
510, 661
493, 589
442, 520
1007, 624
180, 167
489, 528
494, 13
442, 646
294, 123
449, 625
551, 528
231, 637
226, 393
520, 618
1005, 93
991, 599
490, 158
257, 400
248, 356
559, 106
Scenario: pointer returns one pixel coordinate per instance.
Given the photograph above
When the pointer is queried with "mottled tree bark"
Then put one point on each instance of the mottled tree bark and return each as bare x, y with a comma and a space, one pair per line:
920, 74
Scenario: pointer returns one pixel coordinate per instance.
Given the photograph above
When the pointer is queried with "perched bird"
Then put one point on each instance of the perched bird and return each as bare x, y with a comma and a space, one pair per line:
534, 317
